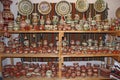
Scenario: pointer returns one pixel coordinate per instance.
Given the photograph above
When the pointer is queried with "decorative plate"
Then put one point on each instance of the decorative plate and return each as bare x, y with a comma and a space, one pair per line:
63, 8
118, 13
100, 6
81, 5
25, 7
44, 7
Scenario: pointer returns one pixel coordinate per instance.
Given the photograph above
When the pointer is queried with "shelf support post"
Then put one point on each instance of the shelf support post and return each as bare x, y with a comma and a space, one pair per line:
61, 34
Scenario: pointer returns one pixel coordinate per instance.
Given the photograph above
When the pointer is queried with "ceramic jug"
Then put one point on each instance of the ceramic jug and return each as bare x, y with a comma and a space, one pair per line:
35, 18
55, 20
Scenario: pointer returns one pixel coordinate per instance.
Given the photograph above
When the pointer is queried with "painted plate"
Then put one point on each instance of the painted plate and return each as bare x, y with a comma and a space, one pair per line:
118, 13
63, 8
82, 5
25, 7
100, 5
44, 7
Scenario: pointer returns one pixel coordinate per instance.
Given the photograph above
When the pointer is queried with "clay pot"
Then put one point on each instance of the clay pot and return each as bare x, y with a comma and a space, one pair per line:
95, 74
78, 73
95, 70
17, 74
23, 72
89, 73
73, 75
89, 69
69, 71
67, 75
83, 70
83, 74
5, 74
43, 74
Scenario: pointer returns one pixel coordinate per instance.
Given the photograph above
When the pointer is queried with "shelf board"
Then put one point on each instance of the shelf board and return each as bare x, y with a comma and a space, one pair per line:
40, 78
90, 55
55, 55
27, 55
56, 31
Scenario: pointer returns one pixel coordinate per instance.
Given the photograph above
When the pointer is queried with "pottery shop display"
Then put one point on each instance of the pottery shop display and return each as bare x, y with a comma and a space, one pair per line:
7, 14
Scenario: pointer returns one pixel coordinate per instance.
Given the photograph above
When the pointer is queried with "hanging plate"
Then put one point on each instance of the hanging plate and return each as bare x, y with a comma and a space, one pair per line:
100, 5
63, 8
25, 7
81, 5
118, 13
44, 7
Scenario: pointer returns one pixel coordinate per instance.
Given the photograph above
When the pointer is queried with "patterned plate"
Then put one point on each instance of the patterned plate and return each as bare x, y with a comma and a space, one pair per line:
81, 5
44, 7
25, 7
118, 13
100, 6
63, 8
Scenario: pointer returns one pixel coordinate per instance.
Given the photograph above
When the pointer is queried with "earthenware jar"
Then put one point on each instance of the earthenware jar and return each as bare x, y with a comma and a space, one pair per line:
42, 21
7, 14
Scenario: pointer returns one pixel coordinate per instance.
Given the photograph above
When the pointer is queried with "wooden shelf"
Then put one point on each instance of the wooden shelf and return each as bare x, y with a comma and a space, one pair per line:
27, 55
90, 55
40, 78
56, 31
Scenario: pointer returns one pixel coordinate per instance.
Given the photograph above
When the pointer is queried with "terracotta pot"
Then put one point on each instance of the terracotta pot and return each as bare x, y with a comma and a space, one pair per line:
17, 74
83, 70
83, 74
78, 73
89, 73
95, 70
43, 74
73, 75
67, 75
95, 74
